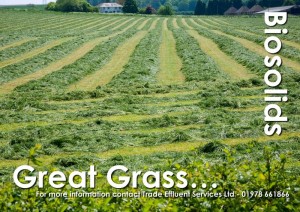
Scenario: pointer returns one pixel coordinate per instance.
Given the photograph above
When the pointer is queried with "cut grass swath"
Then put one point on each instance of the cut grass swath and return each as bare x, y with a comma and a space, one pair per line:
170, 147
69, 59
122, 24
112, 68
221, 21
34, 52
260, 50
17, 43
225, 63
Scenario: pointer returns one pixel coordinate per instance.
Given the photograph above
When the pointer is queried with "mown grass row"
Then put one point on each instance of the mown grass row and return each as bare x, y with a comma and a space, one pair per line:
287, 51
104, 129
197, 66
25, 24
256, 25
142, 67
132, 114
23, 48
241, 54
80, 68
250, 148
129, 106
39, 61
33, 66
112, 68
69, 59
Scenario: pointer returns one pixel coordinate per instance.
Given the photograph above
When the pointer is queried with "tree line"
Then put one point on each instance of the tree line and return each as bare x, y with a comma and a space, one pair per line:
166, 7
71, 6
218, 7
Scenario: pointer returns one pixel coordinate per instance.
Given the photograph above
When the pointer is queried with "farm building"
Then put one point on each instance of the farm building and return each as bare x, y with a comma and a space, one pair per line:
256, 8
230, 11
292, 9
110, 8
243, 10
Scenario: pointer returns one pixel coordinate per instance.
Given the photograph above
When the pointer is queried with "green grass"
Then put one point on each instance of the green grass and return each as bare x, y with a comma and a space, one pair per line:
98, 97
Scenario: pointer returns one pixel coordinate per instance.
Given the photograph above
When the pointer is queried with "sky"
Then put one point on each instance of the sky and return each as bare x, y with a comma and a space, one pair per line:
22, 2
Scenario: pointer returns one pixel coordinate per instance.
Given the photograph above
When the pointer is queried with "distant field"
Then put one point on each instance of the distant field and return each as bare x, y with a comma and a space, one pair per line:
137, 90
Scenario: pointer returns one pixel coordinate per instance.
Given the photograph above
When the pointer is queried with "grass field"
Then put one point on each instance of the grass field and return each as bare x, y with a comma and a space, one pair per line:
138, 90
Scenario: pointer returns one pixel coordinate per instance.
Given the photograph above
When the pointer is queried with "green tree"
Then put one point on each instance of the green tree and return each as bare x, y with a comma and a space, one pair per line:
237, 3
130, 6
165, 10
288, 2
212, 7
74, 6
192, 5
223, 5
200, 8
155, 4
183, 5
51, 6
251, 3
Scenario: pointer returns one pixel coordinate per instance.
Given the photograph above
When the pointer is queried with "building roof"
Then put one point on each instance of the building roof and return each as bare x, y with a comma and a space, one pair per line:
109, 5
242, 10
255, 8
231, 10
277, 9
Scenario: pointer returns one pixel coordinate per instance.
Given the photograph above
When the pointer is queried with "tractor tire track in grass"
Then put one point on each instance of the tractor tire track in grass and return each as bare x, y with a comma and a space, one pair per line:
34, 52
170, 63
226, 63
112, 68
17, 43
260, 50
139, 150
